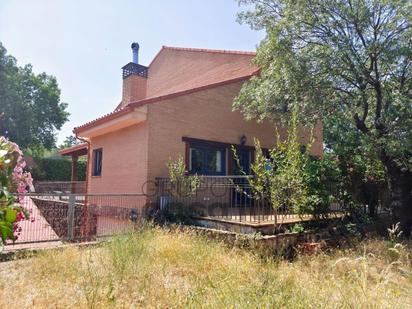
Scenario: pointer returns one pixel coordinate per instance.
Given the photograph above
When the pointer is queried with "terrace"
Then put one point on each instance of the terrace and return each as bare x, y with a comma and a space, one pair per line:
228, 202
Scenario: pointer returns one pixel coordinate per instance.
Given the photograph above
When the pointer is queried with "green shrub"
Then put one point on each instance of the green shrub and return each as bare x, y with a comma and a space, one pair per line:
57, 169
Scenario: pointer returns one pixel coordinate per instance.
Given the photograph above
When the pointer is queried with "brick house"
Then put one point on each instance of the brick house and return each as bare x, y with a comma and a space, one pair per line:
180, 104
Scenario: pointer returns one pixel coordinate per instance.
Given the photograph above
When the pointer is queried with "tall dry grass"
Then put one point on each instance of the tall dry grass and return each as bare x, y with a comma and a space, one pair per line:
172, 269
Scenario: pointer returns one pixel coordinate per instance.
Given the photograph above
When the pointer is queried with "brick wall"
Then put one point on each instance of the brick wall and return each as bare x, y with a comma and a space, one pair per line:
136, 155
207, 115
124, 168
134, 88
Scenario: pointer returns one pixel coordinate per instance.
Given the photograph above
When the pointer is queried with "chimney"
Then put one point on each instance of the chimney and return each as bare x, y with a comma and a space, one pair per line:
135, 48
134, 79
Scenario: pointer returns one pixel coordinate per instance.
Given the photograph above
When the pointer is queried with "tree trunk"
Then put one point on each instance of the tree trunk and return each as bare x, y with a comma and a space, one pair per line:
400, 188
371, 196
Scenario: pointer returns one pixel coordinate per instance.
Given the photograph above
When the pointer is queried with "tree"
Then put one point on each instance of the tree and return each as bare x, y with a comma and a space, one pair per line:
361, 170
30, 107
289, 177
345, 61
280, 175
69, 141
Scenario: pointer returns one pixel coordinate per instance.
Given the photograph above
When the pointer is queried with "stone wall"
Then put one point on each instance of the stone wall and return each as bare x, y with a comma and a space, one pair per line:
284, 243
55, 212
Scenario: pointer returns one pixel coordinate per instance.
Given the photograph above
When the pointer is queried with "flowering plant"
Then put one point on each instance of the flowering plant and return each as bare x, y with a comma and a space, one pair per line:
13, 179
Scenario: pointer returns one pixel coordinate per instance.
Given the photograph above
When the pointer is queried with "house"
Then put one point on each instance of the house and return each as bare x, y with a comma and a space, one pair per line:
180, 104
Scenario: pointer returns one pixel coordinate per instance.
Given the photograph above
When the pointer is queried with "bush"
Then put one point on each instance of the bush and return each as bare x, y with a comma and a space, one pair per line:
57, 169
290, 178
13, 179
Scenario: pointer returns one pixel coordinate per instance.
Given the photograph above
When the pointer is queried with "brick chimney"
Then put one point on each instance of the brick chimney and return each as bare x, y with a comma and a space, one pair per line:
134, 79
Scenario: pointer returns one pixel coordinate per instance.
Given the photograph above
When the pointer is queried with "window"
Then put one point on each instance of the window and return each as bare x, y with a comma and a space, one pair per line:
205, 160
242, 163
97, 162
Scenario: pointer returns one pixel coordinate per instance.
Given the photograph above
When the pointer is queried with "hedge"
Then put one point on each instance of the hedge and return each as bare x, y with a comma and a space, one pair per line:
56, 169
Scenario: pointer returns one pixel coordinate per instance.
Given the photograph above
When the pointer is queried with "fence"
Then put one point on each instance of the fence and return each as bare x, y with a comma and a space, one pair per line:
64, 187
227, 198
62, 218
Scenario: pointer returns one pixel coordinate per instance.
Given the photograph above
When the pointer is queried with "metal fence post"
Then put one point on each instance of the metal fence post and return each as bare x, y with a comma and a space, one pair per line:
70, 216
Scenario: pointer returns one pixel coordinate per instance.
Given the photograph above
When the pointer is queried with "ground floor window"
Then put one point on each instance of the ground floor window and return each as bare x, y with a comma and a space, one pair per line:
207, 160
242, 161
97, 162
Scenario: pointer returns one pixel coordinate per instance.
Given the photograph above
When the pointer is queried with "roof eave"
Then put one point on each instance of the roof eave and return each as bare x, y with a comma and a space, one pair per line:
131, 106
103, 119
80, 149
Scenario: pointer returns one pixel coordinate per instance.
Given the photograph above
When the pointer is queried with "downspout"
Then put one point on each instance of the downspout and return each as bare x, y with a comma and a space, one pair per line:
85, 229
88, 160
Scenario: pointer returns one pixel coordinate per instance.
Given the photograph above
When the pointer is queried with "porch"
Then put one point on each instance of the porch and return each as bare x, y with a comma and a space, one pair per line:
75, 152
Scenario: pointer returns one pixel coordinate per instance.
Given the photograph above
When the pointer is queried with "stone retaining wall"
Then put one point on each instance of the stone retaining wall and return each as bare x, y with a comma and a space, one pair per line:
55, 212
270, 244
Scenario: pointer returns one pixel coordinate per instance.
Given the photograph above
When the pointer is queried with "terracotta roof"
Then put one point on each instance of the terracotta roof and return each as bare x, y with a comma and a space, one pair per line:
215, 51
76, 148
184, 92
104, 118
206, 50
177, 71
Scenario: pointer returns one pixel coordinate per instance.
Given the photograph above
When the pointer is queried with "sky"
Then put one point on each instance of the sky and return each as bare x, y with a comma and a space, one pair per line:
84, 43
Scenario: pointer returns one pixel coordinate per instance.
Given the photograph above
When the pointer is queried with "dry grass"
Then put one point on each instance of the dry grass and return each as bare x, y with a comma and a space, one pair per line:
156, 268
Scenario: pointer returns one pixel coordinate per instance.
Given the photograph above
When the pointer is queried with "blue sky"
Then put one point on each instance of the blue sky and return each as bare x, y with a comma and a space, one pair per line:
84, 43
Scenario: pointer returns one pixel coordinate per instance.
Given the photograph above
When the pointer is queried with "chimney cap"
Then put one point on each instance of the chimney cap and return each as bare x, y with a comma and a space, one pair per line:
135, 45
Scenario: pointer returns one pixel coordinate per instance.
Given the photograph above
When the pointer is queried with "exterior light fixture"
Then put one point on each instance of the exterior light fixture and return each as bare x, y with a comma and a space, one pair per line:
243, 139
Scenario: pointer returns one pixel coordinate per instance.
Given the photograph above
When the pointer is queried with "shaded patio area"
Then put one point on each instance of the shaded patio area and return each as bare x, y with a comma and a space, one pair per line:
75, 152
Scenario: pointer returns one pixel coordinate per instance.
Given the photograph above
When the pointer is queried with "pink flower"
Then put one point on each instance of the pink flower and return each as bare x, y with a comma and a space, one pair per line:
20, 216
12, 166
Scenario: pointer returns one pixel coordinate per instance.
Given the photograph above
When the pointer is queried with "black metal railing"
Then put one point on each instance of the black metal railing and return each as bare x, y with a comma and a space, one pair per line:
134, 69
228, 198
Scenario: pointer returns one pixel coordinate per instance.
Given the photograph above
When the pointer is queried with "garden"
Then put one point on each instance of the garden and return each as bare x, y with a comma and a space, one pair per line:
167, 268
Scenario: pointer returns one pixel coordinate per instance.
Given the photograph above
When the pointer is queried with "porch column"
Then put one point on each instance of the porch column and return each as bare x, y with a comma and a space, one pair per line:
74, 167
74, 172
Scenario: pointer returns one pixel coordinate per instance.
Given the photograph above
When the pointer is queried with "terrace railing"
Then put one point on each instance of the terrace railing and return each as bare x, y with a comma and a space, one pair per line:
228, 198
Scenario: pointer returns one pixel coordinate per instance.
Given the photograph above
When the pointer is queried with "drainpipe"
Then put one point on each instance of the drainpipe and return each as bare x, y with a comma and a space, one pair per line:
88, 160
85, 229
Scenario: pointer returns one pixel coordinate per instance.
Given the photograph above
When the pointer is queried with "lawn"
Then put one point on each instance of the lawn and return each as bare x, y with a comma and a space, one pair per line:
175, 269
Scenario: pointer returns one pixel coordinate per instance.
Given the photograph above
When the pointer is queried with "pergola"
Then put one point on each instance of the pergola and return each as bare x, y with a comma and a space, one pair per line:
75, 152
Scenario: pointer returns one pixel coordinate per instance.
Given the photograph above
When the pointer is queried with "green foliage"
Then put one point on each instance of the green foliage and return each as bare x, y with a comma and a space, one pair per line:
56, 169
347, 63
14, 178
182, 184
10, 214
297, 228
289, 177
69, 141
362, 173
286, 170
322, 180
30, 107
336, 59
